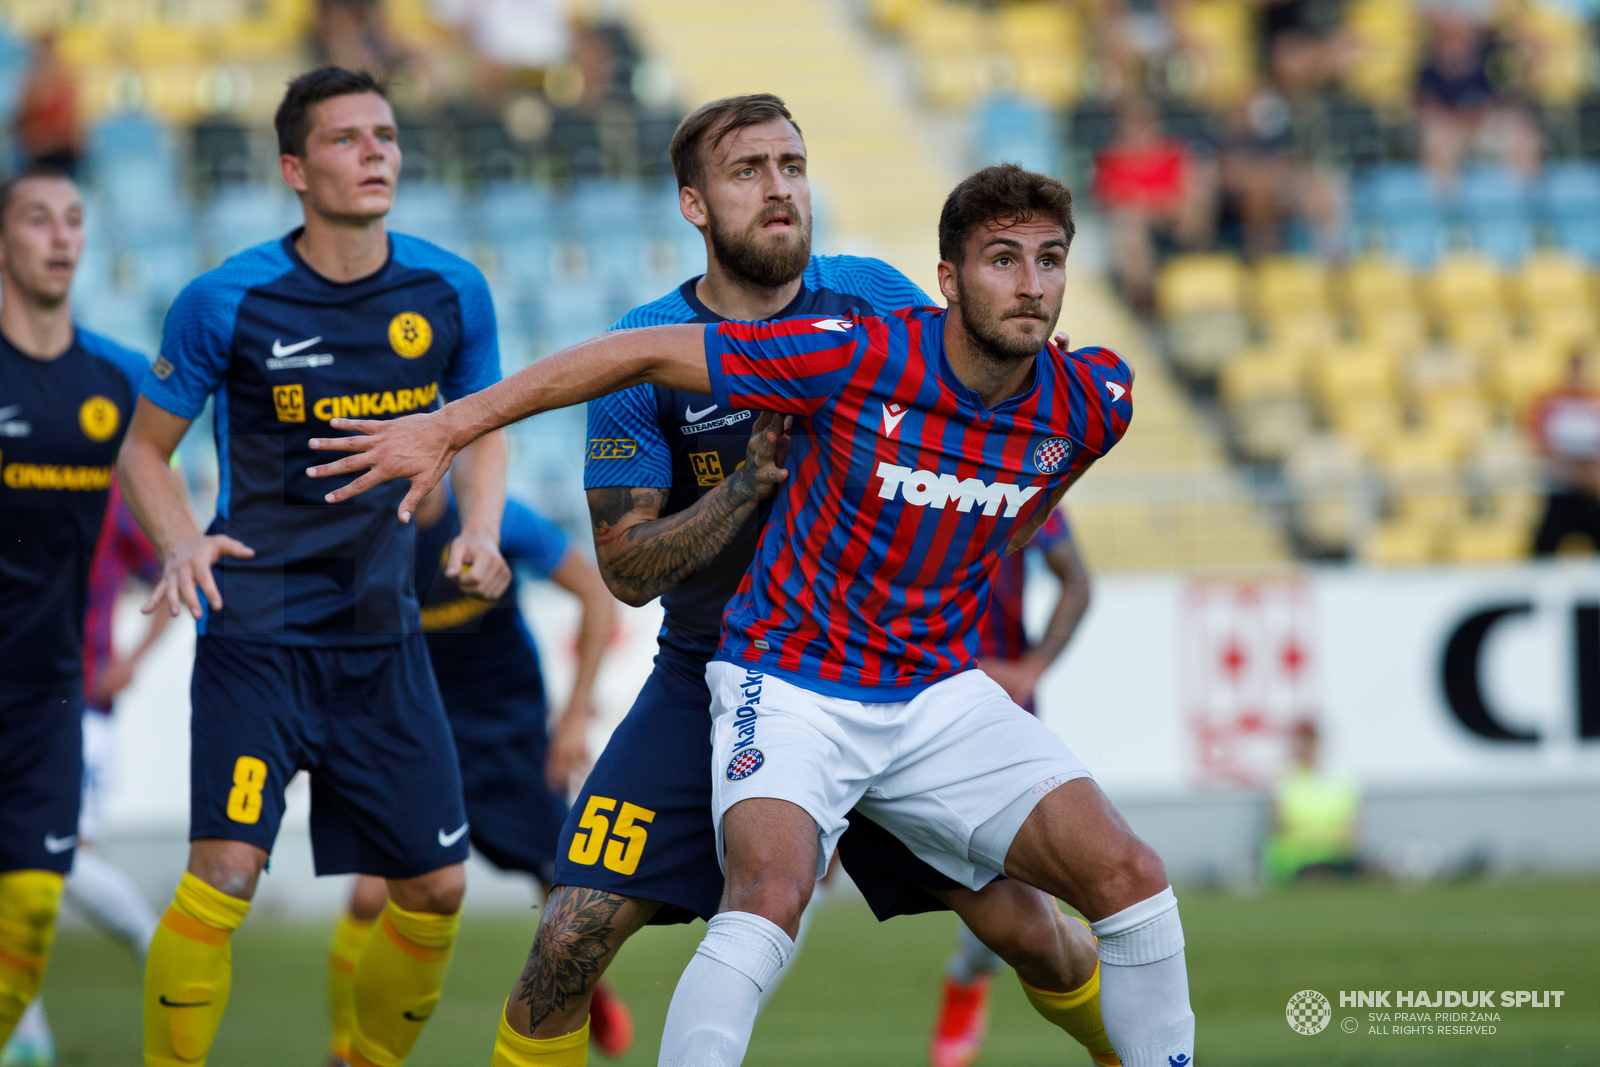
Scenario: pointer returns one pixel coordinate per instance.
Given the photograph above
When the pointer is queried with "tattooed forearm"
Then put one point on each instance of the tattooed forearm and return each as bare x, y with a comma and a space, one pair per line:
569, 951
643, 559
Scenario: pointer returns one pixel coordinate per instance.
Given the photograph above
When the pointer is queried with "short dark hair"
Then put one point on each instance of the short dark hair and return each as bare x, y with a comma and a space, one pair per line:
293, 120
725, 116
1005, 191
8, 188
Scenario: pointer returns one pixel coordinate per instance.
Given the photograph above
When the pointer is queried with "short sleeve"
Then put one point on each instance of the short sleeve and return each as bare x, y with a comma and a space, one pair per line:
475, 364
791, 366
626, 446
530, 540
196, 347
1108, 381
1054, 531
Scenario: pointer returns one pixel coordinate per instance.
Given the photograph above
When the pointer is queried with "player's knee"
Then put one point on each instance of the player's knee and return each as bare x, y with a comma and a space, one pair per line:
231, 867
1136, 874
777, 896
435, 893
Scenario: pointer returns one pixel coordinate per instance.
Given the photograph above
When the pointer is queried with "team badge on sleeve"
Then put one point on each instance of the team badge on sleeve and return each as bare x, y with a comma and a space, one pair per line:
745, 764
1051, 454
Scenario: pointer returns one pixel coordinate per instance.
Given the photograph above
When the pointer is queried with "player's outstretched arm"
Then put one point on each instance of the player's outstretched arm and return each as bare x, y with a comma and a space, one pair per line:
419, 448
157, 502
642, 555
569, 746
478, 477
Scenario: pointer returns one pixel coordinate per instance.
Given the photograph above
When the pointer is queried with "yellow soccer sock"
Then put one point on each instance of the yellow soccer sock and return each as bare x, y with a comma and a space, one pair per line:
397, 983
349, 937
1078, 1013
29, 901
511, 1049
188, 972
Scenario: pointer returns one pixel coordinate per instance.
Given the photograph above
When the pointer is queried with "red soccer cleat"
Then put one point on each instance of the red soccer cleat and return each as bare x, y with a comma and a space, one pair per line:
963, 1020
610, 1025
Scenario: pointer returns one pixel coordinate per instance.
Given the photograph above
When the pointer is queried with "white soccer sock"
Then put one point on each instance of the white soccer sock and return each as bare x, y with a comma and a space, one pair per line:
108, 896
818, 891
1144, 984
714, 1008
33, 1029
971, 958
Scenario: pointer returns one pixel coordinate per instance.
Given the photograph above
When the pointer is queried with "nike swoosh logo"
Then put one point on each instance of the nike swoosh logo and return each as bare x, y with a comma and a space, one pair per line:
165, 1003
280, 349
7, 413
417, 1018
695, 416
449, 839
57, 845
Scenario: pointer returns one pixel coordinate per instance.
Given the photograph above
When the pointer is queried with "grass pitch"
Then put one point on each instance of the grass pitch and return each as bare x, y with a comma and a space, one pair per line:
863, 995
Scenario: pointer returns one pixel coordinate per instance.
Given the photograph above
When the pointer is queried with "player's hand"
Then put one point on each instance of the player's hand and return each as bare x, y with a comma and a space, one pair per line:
1062, 341
188, 565
1018, 677
114, 678
477, 567
569, 748
415, 447
762, 471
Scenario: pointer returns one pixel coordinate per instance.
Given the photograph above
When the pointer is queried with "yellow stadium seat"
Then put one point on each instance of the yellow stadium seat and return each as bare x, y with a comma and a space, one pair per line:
1221, 35
1369, 422
1478, 330
1388, 37
1373, 284
1442, 372
1566, 326
1397, 329
894, 14
1256, 375
1462, 418
1522, 509
1049, 77
1464, 282
1364, 372
948, 30
1200, 283
1551, 279
1306, 331
1523, 372
1034, 27
1269, 430
1561, 39
1439, 510
1487, 541
1290, 285
1401, 543
1327, 474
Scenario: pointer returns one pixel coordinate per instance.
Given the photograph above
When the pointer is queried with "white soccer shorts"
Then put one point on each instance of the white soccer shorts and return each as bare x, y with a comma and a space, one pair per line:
952, 773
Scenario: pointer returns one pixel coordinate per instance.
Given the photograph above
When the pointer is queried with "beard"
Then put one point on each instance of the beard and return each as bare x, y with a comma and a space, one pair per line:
757, 258
984, 324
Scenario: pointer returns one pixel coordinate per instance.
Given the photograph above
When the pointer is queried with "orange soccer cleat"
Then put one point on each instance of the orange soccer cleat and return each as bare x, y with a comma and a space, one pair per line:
610, 1025
963, 1020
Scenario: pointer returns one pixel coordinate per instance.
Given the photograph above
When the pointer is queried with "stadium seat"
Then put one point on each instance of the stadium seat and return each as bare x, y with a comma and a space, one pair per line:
1369, 422
1464, 281
1574, 324
1523, 371
1269, 430
1354, 374
241, 216
1200, 283
1290, 285
1496, 204
1399, 330
1571, 189
1328, 479
1377, 283
1552, 279
1309, 331
1401, 543
1477, 329
516, 211
1258, 375
1486, 541
1010, 129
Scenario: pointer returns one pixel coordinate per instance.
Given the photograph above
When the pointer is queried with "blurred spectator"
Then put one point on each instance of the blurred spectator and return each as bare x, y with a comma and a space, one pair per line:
1266, 184
1303, 43
1315, 816
507, 38
1157, 195
47, 118
1566, 426
1460, 111
354, 34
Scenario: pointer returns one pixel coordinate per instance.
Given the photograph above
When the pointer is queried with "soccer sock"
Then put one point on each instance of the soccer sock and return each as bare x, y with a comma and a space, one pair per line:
29, 902
110, 898
397, 982
511, 1049
348, 939
1078, 1013
714, 1008
188, 973
34, 1030
1144, 984
818, 892
972, 958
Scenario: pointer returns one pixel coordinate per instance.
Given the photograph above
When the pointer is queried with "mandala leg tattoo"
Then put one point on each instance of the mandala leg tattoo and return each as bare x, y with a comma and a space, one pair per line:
570, 948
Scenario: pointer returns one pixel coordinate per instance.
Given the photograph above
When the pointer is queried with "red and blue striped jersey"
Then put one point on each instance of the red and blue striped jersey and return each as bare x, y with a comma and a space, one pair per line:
1002, 635
123, 551
874, 569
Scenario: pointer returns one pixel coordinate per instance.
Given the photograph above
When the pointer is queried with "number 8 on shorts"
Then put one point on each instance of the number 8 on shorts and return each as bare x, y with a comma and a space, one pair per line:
244, 799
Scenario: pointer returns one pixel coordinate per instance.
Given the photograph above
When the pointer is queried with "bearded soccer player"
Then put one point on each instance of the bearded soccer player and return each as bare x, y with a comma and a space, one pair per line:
66, 397
310, 654
928, 443
1005, 656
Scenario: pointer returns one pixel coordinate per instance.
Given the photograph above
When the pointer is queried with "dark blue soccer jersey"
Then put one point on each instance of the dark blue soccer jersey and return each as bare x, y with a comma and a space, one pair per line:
285, 350
61, 423
481, 648
651, 436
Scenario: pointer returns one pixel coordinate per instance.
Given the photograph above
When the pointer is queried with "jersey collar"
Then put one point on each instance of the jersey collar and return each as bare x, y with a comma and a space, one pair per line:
705, 314
933, 352
294, 257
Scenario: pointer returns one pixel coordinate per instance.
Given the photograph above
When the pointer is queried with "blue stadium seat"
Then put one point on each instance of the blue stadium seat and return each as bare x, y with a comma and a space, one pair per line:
516, 211
1572, 189
1397, 193
602, 207
1009, 129
1581, 237
434, 212
1492, 191
1418, 241
242, 216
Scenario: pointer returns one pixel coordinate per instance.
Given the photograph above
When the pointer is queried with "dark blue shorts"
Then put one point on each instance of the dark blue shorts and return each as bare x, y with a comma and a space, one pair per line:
502, 744
642, 826
41, 774
366, 722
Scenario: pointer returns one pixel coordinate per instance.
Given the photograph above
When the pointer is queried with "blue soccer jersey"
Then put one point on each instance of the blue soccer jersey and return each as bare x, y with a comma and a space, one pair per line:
687, 443
285, 350
61, 423
870, 578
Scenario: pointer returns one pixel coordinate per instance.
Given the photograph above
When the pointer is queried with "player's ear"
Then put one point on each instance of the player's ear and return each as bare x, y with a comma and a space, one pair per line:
293, 169
693, 206
947, 281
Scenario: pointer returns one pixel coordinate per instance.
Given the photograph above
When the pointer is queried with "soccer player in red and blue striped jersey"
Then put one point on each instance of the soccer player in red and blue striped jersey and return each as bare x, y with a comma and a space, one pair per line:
927, 443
